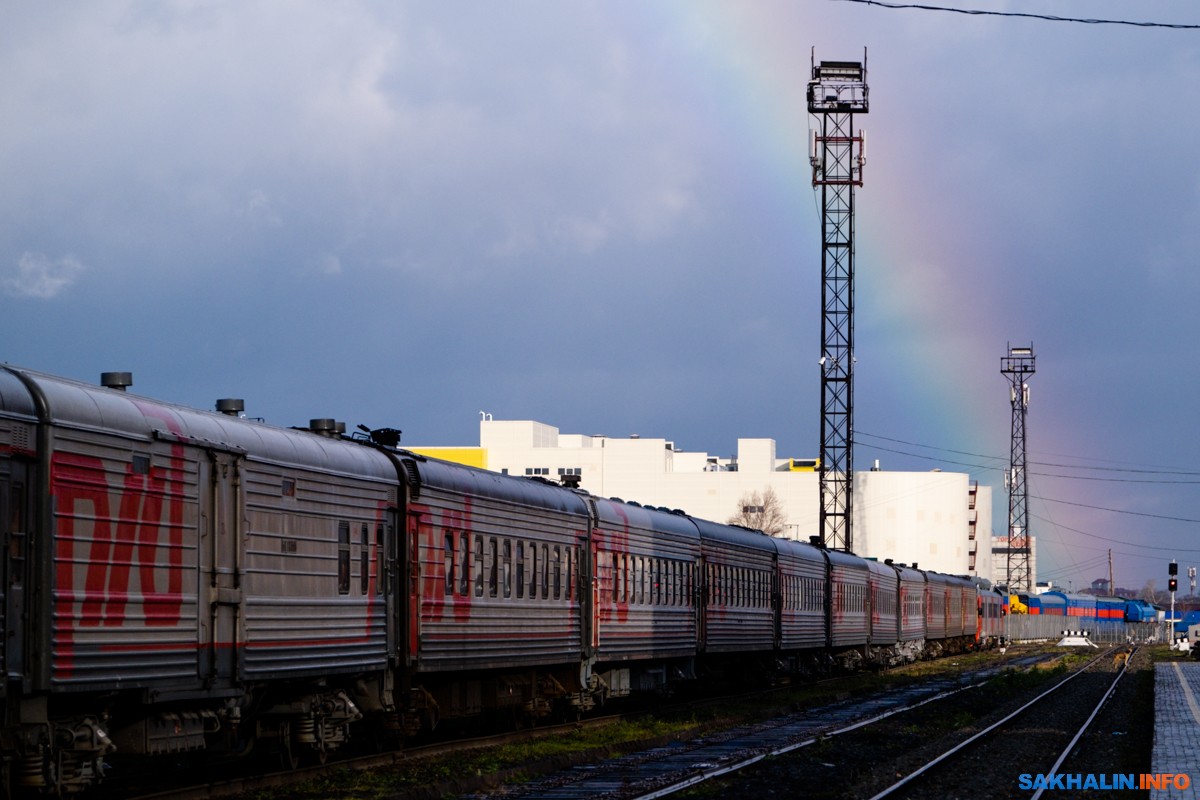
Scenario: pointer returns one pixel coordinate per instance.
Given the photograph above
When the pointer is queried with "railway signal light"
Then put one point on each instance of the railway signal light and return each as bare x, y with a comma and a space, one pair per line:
1172, 569
1172, 585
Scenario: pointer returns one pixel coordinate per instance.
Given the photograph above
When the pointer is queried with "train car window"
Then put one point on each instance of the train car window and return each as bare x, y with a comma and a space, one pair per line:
570, 573
506, 567
556, 569
493, 566
364, 560
533, 571
626, 578
448, 566
635, 586
343, 569
464, 564
545, 572
616, 577
378, 559
520, 570
478, 565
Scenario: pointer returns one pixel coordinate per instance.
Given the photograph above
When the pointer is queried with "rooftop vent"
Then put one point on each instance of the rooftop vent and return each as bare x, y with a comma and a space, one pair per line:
116, 380
231, 406
326, 427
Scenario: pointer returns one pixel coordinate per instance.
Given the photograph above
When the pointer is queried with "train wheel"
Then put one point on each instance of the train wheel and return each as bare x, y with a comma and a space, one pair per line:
289, 758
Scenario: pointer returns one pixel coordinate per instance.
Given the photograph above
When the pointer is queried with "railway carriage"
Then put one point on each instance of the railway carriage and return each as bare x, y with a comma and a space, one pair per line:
964, 617
883, 618
937, 601
990, 627
646, 592
184, 567
739, 575
1047, 604
1110, 608
847, 599
493, 593
802, 579
912, 603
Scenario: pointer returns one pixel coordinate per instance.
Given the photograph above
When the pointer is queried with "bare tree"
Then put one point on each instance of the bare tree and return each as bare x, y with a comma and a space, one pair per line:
762, 511
1148, 594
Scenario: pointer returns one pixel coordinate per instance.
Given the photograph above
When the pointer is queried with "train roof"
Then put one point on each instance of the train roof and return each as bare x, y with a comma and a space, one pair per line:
617, 514
475, 482
72, 404
744, 537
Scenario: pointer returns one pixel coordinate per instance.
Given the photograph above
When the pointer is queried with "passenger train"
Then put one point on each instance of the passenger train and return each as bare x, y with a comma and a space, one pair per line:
176, 580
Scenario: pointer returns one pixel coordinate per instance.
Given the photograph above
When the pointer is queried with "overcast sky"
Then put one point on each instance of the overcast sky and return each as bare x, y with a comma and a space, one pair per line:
600, 215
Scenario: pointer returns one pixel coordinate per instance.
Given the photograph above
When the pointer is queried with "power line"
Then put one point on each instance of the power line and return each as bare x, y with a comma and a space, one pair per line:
1114, 541
1119, 510
1038, 473
1042, 17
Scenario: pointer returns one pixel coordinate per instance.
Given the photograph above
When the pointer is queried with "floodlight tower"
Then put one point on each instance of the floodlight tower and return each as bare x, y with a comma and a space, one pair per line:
1018, 366
837, 91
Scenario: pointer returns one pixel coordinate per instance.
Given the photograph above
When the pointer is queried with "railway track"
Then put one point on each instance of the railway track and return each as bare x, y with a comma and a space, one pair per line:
1049, 725
665, 770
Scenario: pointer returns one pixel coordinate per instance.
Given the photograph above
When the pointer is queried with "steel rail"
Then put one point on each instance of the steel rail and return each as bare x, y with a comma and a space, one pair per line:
961, 745
1095, 711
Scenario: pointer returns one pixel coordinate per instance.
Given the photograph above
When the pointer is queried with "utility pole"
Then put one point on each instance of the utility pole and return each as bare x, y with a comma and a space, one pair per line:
836, 92
1018, 366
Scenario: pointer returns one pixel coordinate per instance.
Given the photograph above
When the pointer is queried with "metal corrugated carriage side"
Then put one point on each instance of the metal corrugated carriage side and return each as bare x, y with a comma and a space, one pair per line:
884, 596
937, 601
125, 598
961, 607
802, 574
646, 583
497, 569
1050, 604
912, 603
739, 569
318, 513
848, 601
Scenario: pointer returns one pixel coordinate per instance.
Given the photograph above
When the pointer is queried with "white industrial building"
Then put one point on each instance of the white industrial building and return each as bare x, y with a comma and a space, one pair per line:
938, 520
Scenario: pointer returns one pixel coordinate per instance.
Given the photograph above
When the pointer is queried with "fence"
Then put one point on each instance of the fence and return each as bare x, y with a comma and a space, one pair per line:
1034, 627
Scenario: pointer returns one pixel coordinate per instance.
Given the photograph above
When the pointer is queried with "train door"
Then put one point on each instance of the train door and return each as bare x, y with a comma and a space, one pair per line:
410, 577
385, 573
589, 584
222, 574
14, 499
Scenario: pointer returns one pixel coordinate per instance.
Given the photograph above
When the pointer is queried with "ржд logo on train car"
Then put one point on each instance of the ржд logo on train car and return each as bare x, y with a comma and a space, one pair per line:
118, 546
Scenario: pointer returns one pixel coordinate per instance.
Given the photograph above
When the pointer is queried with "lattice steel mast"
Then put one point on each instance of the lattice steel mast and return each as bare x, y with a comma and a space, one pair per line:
837, 91
1018, 366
